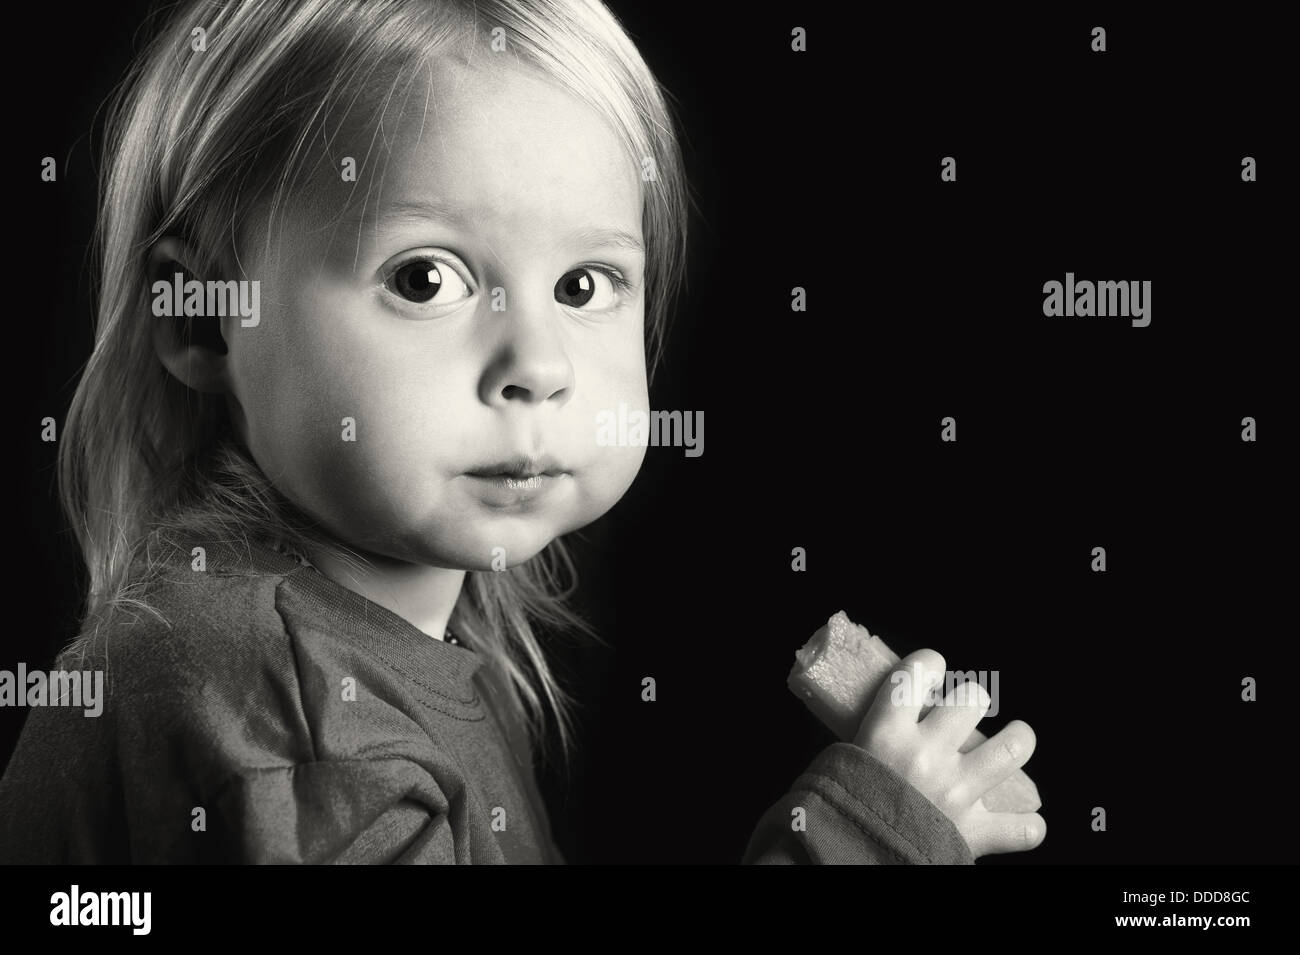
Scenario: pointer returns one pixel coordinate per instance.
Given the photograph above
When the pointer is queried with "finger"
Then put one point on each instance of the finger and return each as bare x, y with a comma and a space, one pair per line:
991, 833
900, 697
997, 758
951, 721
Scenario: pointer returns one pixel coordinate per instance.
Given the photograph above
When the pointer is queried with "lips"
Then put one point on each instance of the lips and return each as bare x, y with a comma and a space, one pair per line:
521, 467
517, 485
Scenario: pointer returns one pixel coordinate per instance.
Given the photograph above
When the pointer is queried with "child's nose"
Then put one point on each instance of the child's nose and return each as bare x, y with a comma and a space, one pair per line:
530, 362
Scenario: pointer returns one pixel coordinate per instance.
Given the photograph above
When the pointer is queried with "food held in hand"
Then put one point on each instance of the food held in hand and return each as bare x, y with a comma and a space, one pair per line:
837, 674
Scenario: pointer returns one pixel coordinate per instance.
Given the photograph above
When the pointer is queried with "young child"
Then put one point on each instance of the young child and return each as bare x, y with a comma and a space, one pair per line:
370, 271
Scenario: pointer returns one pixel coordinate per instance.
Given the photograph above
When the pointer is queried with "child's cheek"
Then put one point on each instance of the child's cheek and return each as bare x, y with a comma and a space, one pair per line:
615, 393
621, 469
315, 425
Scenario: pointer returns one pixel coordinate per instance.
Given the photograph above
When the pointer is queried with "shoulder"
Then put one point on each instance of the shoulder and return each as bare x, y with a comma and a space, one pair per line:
177, 628
199, 653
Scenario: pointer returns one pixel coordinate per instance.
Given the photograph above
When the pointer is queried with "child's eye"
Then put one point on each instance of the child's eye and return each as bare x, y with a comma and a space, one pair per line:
426, 280
579, 287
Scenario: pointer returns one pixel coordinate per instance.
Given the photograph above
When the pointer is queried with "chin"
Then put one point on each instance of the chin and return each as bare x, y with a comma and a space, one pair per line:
518, 546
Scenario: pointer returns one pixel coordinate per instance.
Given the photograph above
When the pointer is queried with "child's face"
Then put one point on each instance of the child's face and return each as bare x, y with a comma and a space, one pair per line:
378, 310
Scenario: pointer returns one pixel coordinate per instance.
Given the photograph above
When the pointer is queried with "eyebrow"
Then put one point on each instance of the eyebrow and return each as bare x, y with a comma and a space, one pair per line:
423, 210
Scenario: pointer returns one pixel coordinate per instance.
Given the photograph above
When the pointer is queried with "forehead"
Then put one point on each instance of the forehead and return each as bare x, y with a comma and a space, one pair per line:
503, 147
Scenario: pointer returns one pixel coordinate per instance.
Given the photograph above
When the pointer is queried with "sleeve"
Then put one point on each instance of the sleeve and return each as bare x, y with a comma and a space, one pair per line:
380, 810
856, 811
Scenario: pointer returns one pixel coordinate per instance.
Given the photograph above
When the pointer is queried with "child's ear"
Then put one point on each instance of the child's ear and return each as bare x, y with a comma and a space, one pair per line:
190, 347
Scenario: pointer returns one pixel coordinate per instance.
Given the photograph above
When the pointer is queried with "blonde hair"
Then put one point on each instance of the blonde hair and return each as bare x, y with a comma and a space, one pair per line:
194, 140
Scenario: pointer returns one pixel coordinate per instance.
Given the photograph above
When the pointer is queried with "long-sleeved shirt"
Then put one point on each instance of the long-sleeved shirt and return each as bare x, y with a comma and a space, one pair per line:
276, 716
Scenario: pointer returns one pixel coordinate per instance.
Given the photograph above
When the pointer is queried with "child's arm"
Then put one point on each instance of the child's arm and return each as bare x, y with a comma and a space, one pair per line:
223, 735
380, 810
902, 791
853, 809
211, 771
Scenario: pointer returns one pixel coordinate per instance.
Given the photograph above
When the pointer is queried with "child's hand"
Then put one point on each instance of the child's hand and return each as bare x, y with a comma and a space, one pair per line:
926, 754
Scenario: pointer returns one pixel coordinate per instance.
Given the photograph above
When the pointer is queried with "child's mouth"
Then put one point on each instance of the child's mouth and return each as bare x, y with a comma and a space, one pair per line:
508, 491
516, 482
521, 466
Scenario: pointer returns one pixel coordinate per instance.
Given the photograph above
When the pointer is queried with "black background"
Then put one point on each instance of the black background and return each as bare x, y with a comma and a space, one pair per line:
821, 170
